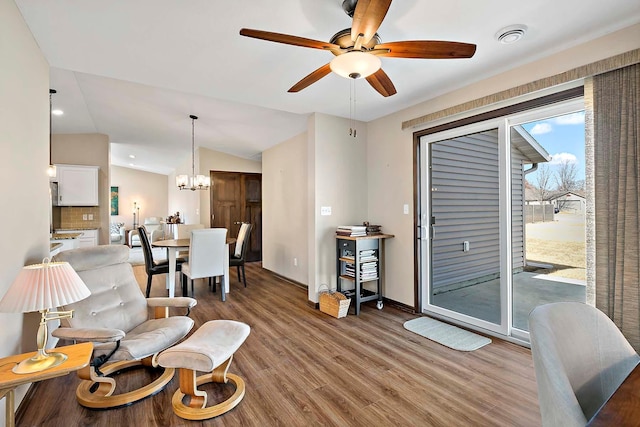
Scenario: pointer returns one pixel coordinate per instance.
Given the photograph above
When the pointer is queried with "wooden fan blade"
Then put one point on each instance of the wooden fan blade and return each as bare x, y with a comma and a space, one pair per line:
311, 78
382, 83
367, 18
287, 39
425, 49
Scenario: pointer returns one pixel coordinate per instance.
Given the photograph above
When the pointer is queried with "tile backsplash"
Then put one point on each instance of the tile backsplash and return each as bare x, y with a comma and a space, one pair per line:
73, 217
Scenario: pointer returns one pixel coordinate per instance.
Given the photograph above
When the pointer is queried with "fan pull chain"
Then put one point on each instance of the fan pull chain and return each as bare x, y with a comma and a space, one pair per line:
352, 108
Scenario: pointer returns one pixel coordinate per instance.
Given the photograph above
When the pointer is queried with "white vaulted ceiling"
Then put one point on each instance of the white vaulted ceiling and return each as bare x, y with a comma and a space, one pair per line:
136, 69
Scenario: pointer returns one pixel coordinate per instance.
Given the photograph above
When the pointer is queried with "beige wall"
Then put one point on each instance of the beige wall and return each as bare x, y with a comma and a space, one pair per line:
90, 149
194, 205
148, 189
284, 209
24, 184
337, 165
390, 156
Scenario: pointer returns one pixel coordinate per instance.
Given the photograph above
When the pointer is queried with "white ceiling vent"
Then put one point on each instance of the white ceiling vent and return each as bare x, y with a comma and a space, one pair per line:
511, 34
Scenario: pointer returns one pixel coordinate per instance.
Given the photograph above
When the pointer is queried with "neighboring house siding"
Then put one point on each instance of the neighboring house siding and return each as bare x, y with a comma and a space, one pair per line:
570, 203
517, 209
465, 205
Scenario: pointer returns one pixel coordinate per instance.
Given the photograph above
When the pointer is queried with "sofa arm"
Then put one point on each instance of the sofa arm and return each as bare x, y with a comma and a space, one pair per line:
185, 302
132, 233
161, 305
89, 335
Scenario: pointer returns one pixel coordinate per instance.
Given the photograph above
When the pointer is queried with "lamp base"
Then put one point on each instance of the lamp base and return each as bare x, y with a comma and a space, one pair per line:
39, 362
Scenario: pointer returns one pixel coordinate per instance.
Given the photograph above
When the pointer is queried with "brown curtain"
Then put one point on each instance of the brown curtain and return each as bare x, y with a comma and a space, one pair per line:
616, 112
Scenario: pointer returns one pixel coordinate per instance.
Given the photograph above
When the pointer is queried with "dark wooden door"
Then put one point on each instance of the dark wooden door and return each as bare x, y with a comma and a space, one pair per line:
237, 197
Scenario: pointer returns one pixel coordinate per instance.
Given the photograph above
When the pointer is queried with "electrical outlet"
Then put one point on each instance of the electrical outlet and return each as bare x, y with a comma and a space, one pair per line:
295, 262
84, 217
325, 210
90, 217
405, 209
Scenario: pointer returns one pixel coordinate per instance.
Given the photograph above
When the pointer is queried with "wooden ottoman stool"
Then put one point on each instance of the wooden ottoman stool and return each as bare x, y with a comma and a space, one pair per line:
210, 349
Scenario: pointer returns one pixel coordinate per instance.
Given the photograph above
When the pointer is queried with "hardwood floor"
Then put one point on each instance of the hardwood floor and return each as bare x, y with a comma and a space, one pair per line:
303, 367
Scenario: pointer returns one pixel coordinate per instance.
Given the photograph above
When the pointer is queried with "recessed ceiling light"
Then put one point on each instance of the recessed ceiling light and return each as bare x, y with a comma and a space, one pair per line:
57, 112
511, 34
131, 156
131, 164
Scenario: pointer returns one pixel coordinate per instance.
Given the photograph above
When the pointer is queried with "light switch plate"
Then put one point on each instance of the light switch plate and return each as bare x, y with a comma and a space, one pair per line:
325, 210
405, 209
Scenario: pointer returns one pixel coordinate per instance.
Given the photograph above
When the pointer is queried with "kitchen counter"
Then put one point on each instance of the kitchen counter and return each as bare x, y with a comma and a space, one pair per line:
65, 236
55, 248
58, 230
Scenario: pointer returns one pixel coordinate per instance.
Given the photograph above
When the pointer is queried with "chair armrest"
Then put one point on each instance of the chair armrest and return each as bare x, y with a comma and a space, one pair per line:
185, 302
132, 233
157, 235
88, 334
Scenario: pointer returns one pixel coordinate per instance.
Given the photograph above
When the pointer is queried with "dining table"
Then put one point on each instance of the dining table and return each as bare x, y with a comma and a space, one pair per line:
623, 407
173, 246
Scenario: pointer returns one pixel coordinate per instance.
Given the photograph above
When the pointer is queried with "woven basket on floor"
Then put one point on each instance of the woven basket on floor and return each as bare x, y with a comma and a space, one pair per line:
334, 304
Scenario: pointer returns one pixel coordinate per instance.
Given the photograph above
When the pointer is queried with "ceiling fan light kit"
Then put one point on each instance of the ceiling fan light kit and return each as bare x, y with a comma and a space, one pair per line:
360, 46
355, 64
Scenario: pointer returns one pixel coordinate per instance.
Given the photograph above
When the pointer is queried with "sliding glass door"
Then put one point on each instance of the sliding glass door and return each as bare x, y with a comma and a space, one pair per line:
475, 209
462, 207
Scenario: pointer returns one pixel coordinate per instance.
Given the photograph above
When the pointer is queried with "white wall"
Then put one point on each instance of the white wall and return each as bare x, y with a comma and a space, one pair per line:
24, 184
284, 209
390, 155
148, 189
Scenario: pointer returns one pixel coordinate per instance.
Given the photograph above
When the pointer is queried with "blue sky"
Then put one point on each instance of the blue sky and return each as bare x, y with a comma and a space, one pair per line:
563, 138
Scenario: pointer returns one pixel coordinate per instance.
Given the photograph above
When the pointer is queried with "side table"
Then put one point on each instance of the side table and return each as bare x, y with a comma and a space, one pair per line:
78, 356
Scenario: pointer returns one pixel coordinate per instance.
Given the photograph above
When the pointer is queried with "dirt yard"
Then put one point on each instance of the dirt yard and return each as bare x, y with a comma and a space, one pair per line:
560, 243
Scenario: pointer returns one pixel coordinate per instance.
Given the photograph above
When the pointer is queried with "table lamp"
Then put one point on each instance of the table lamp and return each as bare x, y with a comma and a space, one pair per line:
41, 287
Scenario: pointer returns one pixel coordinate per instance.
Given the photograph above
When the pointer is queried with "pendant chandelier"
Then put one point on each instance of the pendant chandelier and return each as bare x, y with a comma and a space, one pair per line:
51, 171
193, 182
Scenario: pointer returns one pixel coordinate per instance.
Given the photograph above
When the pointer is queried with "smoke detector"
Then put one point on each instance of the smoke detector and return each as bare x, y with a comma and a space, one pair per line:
511, 34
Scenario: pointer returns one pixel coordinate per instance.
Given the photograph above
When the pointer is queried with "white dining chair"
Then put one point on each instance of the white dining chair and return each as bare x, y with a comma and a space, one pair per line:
207, 253
183, 231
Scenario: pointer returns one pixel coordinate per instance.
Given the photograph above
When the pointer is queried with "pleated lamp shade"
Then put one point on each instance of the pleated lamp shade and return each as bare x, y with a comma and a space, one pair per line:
44, 286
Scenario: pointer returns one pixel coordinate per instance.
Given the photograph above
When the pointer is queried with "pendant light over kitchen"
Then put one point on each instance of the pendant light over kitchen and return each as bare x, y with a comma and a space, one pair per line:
52, 168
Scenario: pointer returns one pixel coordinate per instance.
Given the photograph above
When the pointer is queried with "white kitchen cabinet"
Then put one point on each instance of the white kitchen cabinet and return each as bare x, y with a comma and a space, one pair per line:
77, 185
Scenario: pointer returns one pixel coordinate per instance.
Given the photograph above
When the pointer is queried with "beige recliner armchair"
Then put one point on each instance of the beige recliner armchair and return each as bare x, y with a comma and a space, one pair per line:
155, 231
580, 358
115, 317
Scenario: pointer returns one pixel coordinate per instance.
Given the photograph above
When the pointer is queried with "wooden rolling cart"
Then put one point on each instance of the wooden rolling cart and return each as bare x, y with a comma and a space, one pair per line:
359, 260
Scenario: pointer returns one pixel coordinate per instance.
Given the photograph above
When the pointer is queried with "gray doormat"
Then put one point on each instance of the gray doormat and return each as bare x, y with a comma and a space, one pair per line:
445, 334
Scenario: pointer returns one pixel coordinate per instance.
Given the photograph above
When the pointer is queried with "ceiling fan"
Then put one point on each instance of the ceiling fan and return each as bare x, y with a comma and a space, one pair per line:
358, 49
